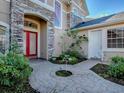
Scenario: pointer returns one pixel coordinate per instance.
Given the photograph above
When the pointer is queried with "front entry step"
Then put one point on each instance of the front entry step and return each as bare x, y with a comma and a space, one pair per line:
99, 59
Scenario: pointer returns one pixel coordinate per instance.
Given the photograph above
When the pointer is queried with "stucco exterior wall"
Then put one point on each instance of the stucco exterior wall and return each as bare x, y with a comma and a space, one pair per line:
62, 42
84, 45
109, 54
43, 39
4, 11
57, 42
4, 21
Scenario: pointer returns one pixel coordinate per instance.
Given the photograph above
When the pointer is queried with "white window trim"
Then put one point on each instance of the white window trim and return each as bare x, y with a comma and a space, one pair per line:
61, 14
105, 42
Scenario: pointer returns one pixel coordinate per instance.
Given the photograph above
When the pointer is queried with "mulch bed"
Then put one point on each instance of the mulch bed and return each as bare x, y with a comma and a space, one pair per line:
63, 73
27, 89
102, 69
58, 61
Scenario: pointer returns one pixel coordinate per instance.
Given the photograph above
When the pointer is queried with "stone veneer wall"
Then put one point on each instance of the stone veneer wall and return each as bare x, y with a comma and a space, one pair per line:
68, 20
19, 8
73, 20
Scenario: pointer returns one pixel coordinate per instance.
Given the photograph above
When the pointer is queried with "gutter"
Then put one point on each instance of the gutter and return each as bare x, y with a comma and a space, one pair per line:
99, 25
10, 29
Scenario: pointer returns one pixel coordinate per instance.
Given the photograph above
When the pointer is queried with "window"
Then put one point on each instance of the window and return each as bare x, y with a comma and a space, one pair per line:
2, 39
58, 13
115, 38
30, 24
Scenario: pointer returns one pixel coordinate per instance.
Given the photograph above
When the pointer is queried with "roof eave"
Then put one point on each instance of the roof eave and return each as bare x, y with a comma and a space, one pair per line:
99, 25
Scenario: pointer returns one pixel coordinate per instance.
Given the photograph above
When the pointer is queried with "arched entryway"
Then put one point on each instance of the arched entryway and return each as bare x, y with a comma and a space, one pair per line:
35, 37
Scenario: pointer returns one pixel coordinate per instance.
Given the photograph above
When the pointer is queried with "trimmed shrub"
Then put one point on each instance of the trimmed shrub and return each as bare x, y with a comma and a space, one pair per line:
116, 69
117, 59
14, 69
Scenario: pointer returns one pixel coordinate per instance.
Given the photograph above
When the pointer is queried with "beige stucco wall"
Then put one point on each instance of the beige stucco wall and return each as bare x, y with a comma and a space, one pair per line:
59, 32
4, 11
57, 42
84, 44
43, 39
106, 52
63, 44
109, 54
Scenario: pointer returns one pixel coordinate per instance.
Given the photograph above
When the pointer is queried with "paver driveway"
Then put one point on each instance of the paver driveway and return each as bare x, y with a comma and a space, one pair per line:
83, 80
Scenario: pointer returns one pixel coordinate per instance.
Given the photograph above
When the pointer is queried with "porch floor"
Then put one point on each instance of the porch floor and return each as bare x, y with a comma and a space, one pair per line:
83, 80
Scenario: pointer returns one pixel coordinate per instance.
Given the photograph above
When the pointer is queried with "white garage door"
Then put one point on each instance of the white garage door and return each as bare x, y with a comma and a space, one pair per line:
95, 44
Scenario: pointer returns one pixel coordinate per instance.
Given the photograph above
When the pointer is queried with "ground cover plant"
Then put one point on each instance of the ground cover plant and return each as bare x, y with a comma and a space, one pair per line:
113, 72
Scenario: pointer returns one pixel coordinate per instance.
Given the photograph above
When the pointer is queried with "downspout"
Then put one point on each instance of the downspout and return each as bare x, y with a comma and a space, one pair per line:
10, 29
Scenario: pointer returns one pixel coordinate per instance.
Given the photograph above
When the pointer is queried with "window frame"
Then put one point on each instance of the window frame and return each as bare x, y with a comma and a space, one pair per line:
60, 15
104, 37
30, 24
113, 37
4, 40
7, 34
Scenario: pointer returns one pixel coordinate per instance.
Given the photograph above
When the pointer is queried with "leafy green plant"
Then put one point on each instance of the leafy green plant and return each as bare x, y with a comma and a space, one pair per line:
73, 53
77, 40
116, 69
117, 59
14, 68
73, 60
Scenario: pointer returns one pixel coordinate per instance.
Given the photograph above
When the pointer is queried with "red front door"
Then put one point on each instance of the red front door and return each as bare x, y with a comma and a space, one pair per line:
30, 43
